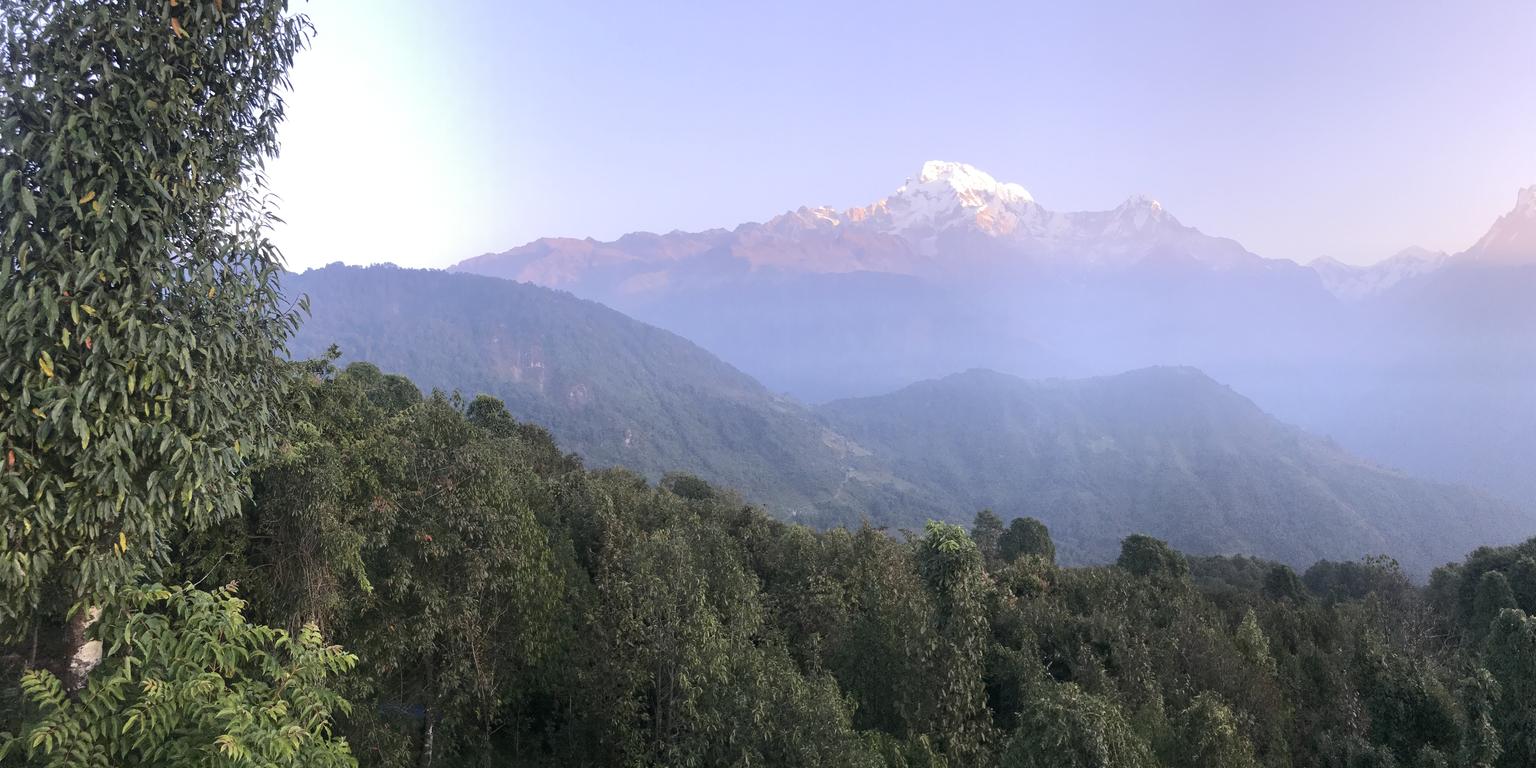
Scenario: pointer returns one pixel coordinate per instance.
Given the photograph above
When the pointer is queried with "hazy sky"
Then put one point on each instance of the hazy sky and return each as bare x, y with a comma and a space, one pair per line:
425, 133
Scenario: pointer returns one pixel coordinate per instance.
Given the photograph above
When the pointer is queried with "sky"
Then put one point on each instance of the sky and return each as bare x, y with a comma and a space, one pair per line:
426, 133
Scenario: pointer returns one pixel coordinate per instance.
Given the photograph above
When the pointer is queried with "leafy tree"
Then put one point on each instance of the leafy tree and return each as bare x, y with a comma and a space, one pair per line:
687, 486
190, 682
1148, 557
881, 657
463, 592
1253, 644
1027, 536
1209, 736
1510, 656
987, 532
1494, 596
1522, 581
1479, 698
141, 305
1068, 728
1409, 707
952, 570
1282, 583
682, 672
1379, 575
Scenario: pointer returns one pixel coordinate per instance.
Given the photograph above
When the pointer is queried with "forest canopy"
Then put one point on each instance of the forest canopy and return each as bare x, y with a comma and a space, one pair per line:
505, 605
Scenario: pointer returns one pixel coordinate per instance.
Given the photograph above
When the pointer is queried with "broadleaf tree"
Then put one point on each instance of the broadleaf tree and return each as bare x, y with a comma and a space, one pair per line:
141, 309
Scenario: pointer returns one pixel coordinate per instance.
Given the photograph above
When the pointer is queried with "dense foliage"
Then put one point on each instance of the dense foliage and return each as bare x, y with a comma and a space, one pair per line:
141, 308
191, 682
141, 332
508, 606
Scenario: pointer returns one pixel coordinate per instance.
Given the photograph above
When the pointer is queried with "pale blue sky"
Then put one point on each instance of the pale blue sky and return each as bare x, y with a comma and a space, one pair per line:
425, 133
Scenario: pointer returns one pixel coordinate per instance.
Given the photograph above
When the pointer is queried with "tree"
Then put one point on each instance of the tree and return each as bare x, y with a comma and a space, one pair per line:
1522, 581
140, 296
1148, 557
239, 694
1253, 644
1494, 595
1282, 583
987, 531
1479, 697
1409, 707
951, 569
464, 596
1510, 655
1209, 736
1065, 727
1027, 536
687, 486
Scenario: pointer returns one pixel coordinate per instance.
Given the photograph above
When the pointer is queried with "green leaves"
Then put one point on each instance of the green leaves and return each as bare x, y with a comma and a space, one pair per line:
188, 671
140, 316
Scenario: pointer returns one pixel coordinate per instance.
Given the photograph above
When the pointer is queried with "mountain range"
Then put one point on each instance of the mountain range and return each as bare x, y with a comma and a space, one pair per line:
1425, 361
1165, 450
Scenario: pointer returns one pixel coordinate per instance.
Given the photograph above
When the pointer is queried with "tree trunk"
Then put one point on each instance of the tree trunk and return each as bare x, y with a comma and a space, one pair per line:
84, 654
426, 739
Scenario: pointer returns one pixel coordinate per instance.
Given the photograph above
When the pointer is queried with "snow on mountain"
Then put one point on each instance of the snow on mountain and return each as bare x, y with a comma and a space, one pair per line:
949, 197
950, 220
1355, 281
945, 196
941, 213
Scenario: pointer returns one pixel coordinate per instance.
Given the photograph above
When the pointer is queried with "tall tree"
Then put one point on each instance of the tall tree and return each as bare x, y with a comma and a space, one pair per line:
1067, 728
1210, 736
952, 570
1510, 655
1027, 536
141, 308
1152, 558
987, 531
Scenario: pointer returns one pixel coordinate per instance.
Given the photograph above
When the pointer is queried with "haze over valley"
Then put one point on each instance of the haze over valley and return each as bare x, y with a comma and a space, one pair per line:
798, 347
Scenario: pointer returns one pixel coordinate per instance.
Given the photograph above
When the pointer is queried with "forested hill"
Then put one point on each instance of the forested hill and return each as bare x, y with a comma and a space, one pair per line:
508, 607
1167, 451
614, 390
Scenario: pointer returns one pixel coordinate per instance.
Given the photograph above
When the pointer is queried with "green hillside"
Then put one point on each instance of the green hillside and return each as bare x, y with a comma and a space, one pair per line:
1166, 451
614, 390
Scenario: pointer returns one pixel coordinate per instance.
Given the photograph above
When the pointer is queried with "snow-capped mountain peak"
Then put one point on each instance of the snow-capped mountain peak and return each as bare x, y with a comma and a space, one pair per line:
946, 196
1136, 213
1354, 281
972, 186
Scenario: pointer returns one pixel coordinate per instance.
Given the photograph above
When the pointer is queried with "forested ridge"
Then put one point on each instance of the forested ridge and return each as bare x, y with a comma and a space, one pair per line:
1164, 450
507, 606
212, 554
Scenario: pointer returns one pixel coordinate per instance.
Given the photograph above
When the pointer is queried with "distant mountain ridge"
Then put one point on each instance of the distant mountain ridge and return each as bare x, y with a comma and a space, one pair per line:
1355, 282
1162, 450
619, 392
914, 231
957, 270
1167, 451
